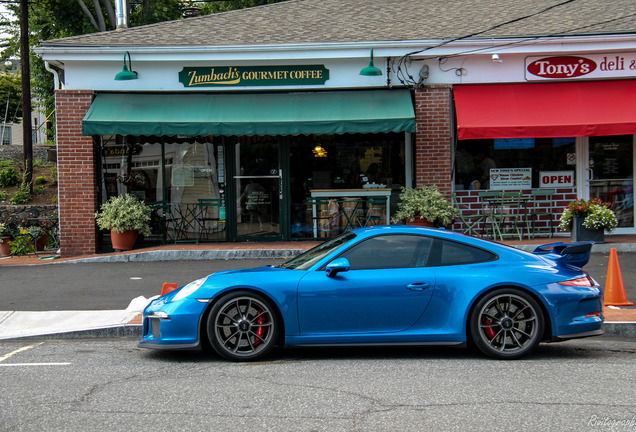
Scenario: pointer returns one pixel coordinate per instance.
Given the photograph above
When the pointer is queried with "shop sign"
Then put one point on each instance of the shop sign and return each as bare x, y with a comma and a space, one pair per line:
225, 76
510, 178
572, 67
556, 179
122, 150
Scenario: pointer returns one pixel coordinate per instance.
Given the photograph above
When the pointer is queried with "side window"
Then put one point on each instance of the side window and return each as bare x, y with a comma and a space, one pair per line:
390, 251
453, 253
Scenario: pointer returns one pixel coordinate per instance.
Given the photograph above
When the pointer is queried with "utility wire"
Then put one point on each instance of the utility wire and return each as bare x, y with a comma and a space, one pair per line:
406, 78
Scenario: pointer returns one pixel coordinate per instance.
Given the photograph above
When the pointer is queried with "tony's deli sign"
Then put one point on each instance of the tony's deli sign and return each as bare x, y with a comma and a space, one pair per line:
581, 67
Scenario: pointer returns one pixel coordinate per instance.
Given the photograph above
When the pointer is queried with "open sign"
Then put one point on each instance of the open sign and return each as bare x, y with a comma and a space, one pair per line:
556, 178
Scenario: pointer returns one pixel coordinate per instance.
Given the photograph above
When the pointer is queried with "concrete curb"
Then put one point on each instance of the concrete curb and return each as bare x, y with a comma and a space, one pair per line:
229, 254
191, 255
131, 331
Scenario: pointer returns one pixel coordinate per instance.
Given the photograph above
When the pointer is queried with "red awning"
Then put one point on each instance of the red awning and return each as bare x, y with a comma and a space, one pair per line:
544, 110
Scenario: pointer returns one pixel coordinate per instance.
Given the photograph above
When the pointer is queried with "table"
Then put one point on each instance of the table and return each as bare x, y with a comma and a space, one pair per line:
349, 201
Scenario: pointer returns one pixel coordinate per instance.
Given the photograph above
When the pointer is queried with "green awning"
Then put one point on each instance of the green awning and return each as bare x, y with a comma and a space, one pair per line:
251, 114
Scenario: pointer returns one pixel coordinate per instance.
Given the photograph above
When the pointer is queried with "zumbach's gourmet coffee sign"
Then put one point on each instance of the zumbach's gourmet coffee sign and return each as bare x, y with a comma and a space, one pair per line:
578, 67
215, 76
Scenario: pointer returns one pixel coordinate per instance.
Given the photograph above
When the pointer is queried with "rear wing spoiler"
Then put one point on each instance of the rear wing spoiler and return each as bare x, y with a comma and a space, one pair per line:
574, 254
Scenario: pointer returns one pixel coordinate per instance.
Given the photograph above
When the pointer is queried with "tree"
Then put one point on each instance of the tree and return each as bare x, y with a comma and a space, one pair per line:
10, 96
209, 7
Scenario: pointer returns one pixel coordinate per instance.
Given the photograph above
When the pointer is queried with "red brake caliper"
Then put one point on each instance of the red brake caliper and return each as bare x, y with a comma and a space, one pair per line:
260, 330
490, 332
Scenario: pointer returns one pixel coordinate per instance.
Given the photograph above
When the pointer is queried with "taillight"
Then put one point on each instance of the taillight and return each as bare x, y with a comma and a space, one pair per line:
584, 281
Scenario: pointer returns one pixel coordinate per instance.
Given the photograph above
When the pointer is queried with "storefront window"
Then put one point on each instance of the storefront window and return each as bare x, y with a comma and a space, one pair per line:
188, 201
475, 158
347, 163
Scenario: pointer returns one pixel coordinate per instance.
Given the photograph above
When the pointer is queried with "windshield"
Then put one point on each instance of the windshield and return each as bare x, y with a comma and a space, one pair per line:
312, 256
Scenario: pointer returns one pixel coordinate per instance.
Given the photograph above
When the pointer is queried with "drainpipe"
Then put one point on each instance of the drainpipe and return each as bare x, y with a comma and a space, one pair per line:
57, 84
121, 10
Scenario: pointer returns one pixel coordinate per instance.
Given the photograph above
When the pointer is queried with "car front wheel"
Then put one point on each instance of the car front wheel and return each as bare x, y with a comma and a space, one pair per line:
507, 324
242, 326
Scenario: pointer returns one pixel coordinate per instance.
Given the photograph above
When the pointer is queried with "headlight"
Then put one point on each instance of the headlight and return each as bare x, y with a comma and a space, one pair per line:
189, 289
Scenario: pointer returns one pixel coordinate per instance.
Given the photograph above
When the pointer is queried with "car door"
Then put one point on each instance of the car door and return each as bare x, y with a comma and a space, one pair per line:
386, 289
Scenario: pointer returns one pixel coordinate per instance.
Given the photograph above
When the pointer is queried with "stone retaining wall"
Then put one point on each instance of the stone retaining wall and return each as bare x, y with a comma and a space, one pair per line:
17, 152
18, 213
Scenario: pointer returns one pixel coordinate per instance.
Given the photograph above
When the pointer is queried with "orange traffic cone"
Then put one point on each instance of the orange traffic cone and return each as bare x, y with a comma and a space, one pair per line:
614, 287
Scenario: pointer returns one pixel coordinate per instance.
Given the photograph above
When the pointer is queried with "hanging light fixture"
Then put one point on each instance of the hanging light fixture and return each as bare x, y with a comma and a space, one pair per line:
127, 73
319, 151
371, 70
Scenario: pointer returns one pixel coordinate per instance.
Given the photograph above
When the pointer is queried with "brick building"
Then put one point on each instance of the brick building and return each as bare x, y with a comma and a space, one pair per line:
234, 120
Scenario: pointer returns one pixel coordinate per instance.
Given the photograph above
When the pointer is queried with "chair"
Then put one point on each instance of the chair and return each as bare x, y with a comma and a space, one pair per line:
324, 215
490, 208
350, 209
511, 214
209, 218
24, 242
161, 218
541, 210
374, 214
470, 222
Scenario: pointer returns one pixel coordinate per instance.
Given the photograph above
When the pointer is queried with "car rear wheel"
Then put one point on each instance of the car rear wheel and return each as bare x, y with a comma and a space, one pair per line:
507, 324
242, 326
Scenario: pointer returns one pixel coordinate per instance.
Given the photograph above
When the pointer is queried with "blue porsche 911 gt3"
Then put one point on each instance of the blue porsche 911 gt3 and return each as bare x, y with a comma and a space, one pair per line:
387, 285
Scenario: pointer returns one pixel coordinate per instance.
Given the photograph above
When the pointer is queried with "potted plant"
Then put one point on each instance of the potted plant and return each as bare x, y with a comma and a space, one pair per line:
5, 248
424, 206
588, 220
126, 216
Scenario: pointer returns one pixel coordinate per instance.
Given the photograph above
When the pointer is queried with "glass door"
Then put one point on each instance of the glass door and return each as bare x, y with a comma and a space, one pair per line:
258, 185
611, 169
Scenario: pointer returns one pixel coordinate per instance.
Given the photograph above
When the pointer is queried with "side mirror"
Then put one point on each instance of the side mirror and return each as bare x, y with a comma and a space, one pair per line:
336, 266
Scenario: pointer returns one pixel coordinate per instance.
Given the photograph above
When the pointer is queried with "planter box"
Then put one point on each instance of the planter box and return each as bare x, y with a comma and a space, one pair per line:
580, 233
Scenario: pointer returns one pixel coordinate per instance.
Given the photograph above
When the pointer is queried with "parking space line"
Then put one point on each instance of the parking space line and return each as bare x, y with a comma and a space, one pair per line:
19, 350
33, 364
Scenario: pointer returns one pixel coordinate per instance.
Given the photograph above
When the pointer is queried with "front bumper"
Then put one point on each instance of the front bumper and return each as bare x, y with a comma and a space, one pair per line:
172, 325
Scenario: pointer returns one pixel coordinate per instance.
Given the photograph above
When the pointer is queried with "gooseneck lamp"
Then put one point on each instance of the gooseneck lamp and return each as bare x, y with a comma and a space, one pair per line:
127, 73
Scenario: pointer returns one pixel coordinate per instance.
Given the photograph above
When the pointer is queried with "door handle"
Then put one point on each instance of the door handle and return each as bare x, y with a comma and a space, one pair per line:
419, 286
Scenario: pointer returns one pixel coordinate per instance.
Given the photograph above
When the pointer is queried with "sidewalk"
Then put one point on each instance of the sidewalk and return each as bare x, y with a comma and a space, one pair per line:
619, 322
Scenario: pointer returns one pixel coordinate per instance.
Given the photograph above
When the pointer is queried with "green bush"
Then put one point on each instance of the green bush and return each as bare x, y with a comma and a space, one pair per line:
3, 196
40, 180
20, 197
39, 189
9, 176
53, 176
6, 163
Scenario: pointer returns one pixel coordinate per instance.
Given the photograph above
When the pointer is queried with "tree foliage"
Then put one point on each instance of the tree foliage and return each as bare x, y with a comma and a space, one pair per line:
10, 97
209, 7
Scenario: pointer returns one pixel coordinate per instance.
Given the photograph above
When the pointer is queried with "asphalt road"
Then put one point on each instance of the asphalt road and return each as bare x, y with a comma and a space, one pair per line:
111, 286
96, 385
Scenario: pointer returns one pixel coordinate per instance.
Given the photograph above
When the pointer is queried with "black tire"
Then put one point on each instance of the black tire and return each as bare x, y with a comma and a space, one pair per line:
242, 326
507, 323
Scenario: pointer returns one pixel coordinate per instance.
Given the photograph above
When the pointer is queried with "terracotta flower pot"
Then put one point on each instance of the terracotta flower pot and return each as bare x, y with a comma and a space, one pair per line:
123, 241
418, 221
5, 248
40, 244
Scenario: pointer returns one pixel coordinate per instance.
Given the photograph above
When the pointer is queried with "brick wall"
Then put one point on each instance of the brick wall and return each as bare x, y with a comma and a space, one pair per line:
470, 204
434, 137
77, 195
